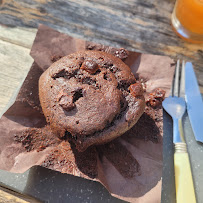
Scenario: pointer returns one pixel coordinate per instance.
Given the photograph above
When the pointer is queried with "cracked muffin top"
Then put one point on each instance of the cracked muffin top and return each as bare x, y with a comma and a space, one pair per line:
90, 97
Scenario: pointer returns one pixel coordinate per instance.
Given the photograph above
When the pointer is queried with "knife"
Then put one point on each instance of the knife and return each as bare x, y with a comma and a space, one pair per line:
194, 102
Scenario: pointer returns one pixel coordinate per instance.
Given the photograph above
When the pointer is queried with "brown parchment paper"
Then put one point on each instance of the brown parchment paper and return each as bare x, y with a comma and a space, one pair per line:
130, 167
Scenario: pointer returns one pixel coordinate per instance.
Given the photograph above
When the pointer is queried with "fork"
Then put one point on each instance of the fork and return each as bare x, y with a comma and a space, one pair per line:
175, 106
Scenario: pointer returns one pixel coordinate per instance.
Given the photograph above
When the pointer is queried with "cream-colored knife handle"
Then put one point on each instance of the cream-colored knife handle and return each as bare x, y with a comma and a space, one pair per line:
183, 177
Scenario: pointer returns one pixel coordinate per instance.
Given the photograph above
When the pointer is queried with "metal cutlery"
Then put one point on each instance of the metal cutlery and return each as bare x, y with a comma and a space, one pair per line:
194, 102
175, 106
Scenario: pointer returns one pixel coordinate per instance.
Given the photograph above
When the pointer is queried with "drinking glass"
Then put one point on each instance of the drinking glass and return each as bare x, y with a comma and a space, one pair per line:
187, 20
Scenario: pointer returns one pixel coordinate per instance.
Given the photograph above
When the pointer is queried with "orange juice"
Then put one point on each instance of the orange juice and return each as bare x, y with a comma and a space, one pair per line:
187, 19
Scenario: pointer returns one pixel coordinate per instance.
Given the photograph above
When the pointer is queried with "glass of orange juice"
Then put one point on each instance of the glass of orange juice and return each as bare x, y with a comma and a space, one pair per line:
187, 19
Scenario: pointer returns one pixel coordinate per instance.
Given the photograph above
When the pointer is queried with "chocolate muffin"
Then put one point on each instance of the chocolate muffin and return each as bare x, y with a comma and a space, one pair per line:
90, 98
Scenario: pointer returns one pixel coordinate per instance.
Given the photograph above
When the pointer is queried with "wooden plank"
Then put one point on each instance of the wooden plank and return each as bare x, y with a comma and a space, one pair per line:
8, 198
15, 63
139, 25
19, 36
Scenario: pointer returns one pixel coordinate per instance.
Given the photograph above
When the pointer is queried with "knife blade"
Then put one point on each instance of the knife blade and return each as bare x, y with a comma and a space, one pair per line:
194, 102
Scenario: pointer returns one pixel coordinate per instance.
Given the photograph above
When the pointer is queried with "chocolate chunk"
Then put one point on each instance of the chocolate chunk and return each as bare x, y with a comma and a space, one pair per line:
90, 66
66, 102
136, 89
155, 98
122, 54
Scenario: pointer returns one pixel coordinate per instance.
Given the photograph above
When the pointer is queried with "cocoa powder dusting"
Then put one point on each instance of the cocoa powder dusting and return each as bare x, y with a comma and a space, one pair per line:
66, 159
61, 159
37, 138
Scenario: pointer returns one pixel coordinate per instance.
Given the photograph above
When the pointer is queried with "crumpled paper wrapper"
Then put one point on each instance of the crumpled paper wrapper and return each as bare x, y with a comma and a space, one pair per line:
130, 167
